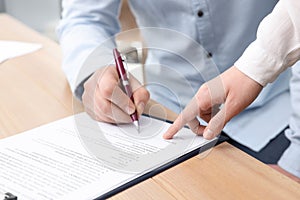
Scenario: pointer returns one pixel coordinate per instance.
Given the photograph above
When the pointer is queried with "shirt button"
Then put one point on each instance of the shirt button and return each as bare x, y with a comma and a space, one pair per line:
200, 13
209, 55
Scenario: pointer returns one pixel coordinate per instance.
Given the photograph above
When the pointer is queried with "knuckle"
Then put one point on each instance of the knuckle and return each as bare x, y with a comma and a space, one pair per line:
84, 97
106, 90
145, 93
203, 92
203, 103
87, 87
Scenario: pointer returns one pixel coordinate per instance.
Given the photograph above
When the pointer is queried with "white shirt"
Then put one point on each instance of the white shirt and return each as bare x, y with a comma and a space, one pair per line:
277, 47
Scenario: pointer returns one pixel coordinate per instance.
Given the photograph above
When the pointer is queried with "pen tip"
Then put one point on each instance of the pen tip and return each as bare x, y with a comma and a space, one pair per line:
136, 123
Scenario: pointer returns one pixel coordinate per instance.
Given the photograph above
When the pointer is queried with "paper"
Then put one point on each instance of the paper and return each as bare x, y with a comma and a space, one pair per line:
11, 49
62, 160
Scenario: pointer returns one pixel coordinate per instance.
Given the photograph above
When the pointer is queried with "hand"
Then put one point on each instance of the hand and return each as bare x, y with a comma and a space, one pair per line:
279, 169
105, 101
232, 88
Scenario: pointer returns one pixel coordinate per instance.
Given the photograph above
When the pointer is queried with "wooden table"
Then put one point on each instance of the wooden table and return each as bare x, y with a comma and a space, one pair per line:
34, 91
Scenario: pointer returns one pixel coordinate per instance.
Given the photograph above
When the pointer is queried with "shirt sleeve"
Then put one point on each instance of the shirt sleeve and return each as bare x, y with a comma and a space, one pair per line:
85, 25
277, 45
290, 160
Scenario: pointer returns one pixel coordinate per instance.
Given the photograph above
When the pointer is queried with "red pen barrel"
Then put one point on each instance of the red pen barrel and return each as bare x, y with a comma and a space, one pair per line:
124, 79
119, 65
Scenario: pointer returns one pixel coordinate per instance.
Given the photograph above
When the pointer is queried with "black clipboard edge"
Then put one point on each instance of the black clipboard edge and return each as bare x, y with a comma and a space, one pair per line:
164, 167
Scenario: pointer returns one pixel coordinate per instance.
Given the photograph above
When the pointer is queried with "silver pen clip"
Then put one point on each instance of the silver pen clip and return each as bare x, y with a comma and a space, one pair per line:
124, 59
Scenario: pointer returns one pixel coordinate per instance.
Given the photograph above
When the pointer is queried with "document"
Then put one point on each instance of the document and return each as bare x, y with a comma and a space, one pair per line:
79, 158
11, 49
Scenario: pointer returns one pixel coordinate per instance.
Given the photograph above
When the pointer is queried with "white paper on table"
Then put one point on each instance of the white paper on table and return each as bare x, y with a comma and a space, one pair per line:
11, 49
52, 161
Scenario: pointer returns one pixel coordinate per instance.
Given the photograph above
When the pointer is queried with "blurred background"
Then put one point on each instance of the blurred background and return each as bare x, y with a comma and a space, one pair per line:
44, 15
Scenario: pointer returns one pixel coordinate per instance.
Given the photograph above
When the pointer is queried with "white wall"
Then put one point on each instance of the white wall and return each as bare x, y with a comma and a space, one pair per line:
2, 6
41, 15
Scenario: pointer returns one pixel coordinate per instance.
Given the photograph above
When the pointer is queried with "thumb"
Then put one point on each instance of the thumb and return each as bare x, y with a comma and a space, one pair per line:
141, 95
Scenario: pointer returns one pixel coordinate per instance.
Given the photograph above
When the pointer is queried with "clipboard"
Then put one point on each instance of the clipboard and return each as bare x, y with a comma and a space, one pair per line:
164, 167
158, 170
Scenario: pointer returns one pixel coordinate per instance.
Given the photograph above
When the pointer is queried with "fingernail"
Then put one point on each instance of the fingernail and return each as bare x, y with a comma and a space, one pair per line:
208, 134
130, 110
167, 136
140, 108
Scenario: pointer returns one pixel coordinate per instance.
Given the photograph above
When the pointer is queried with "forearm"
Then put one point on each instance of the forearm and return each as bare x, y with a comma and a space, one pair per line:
277, 45
85, 25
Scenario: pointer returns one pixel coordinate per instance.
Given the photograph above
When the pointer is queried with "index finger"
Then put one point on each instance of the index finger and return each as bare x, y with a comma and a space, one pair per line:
188, 114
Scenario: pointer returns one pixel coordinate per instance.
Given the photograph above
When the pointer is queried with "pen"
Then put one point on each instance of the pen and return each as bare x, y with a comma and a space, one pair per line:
126, 85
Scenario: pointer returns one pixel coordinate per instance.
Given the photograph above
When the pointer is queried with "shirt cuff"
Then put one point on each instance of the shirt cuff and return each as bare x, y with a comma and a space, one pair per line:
258, 65
80, 89
91, 51
290, 160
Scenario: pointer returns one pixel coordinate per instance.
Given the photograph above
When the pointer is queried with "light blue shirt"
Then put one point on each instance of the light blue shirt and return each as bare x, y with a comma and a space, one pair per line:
176, 65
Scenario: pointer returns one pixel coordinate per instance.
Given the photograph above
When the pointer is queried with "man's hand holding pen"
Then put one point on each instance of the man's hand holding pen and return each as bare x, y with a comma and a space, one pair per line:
105, 101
